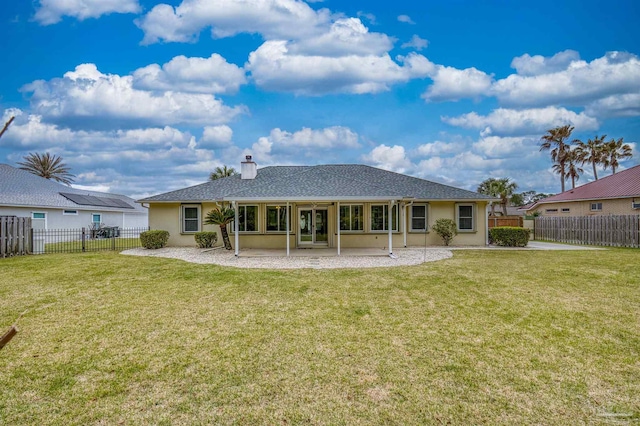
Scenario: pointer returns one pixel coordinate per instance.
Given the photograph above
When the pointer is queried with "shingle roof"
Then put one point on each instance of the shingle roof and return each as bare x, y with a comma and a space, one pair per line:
21, 188
623, 184
324, 182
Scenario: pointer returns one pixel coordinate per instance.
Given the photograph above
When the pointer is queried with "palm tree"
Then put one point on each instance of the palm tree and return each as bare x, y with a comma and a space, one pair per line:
505, 188
591, 152
221, 216
6, 126
555, 140
48, 166
616, 150
571, 167
489, 187
222, 172
502, 188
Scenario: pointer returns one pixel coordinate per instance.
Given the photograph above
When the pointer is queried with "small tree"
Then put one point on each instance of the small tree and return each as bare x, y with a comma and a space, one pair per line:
222, 217
446, 229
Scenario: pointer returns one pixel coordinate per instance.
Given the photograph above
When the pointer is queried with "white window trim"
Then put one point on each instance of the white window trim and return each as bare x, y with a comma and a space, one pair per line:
266, 227
565, 210
474, 217
426, 217
386, 219
257, 231
44, 218
70, 212
351, 231
99, 214
182, 218
596, 209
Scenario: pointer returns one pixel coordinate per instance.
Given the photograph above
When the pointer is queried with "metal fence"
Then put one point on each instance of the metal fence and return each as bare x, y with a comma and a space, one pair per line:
614, 230
85, 239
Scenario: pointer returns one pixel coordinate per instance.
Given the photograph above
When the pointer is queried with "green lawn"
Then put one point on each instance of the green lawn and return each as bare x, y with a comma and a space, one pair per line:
487, 337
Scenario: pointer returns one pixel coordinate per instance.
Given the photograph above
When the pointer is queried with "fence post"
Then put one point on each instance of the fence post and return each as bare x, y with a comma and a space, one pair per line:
113, 241
84, 235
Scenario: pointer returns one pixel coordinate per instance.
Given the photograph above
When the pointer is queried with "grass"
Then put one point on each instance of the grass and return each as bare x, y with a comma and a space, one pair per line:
487, 337
92, 244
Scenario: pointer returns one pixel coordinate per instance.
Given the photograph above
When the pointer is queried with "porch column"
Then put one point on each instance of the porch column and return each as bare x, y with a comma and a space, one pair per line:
236, 226
338, 224
287, 228
404, 224
390, 216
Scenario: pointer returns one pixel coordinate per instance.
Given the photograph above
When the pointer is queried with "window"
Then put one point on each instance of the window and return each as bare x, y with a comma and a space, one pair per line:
96, 218
190, 218
69, 212
465, 217
551, 210
37, 215
596, 207
352, 217
380, 217
419, 217
247, 217
565, 210
277, 219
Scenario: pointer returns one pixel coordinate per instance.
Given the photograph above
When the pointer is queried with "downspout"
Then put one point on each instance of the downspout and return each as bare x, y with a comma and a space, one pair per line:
338, 224
287, 229
236, 226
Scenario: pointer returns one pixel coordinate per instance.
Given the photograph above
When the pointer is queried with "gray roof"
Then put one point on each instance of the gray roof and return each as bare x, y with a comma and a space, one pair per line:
336, 182
20, 188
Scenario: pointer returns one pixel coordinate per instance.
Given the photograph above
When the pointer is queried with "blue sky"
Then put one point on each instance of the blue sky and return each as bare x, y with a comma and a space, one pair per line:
141, 97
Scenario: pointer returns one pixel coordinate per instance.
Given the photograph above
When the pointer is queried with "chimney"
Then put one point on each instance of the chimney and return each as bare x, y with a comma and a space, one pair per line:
248, 169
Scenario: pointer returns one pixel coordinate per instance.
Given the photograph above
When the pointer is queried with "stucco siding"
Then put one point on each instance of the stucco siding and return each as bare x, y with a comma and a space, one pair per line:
167, 216
618, 206
56, 219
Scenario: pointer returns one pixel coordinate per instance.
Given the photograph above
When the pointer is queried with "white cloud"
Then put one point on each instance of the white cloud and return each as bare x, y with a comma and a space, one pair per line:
370, 17
504, 121
327, 138
216, 136
416, 42
406, 19
452, 84
273, 67
389, 158
345, 37
280, 19
51, 11
438, 148
627, 105
506, 147
581, 82
536, 65
95, 98
199, 75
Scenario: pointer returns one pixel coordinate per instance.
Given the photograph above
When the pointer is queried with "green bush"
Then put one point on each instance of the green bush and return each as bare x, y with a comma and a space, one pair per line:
206, 239
446, 229
154, 239
509, 236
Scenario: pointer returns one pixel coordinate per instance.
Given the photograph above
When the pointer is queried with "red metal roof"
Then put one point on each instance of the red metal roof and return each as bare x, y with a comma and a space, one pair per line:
623, 184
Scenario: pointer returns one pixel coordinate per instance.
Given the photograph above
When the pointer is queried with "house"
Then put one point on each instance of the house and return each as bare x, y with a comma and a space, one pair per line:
52, 205
335, 206
617, 194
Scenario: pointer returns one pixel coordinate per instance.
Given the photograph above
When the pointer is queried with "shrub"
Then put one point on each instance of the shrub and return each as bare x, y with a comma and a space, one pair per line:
206, 239
509, 236
446, 229
154, 239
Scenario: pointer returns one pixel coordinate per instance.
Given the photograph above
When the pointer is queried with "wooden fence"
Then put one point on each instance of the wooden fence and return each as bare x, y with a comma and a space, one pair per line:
505, 221
617, 231
15, 236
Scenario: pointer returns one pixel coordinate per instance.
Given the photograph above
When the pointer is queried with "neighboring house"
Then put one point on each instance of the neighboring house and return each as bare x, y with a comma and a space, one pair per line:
617, 194
326, 206
52, 205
